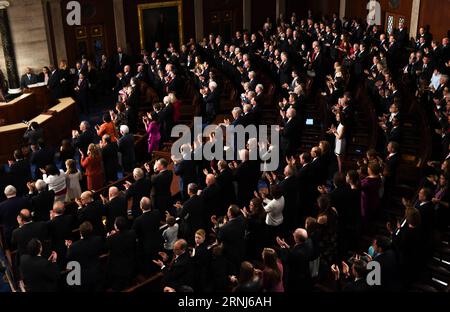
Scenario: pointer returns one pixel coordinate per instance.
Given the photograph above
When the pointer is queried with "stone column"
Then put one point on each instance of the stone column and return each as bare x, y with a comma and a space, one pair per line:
119, 21
198, 16
415, 11
58, 31
280, 8
342, 7
8, 50
247, 14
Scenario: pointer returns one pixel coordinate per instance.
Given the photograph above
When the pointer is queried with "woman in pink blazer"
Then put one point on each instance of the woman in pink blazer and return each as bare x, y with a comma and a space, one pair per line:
152, 127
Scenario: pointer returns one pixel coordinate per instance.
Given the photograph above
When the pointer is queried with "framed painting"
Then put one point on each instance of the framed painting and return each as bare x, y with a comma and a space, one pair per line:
160, 22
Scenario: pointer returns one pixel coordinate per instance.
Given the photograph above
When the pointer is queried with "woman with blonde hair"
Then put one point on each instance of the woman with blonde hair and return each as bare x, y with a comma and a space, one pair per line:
176, 104
92, 163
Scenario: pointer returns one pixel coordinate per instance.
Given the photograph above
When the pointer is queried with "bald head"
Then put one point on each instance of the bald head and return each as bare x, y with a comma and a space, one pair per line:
300, 236
210, 179
24, 216
179, 247
113, 192
145, 204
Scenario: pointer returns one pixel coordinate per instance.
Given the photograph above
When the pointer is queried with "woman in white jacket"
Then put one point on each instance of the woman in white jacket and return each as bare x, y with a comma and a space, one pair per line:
56, 181
274, 209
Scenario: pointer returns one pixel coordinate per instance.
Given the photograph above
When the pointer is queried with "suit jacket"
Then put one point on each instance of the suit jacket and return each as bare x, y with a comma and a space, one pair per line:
160, 194
187, 172
42, 157
192, 215
93, 212
117, 207
25, 81
83, 140
55, 86
212, 199
180, 272
247, 175
126, 149
148, 236
231, 235
290, 136
137, 190
225, 181
59, 230
122, 253
110, 159
9, 210
21, 174
22, 236
296, 262
39, 274
41, 204
87, 252
289, 188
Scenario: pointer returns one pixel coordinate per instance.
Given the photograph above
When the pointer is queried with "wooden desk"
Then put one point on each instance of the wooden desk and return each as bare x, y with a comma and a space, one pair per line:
57, 124
21, 108
44, 99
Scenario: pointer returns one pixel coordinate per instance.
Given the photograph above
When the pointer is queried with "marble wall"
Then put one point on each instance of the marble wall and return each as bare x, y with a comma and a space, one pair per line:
27, 22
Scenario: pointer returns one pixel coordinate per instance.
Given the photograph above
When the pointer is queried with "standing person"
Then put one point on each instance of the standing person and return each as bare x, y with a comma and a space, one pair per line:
151, 125
370, 193
94, 167
340, 139
126, 149
272, 275
107, 127
56, 181
73, 178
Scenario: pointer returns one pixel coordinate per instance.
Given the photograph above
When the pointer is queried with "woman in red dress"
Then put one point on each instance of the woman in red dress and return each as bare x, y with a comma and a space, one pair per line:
94, 168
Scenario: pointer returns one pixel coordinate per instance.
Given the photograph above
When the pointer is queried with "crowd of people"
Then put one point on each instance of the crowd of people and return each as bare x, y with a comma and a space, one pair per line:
234, 227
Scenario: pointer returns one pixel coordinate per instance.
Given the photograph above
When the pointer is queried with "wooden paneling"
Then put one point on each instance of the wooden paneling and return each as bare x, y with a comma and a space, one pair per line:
436, 14
261, 10
224, 17
357, 9
132, 24
21, 108
319, 7
99, 12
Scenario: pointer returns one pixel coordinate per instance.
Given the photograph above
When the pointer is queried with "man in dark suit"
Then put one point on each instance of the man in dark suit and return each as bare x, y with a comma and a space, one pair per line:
120, 60
115, 206
389, 266
110, 157
81, 139
284, 69
212, 198
39, 274
20, 171
210, 102
186, 169
82, 93
290, 133
91, 211
135, 191
41, 200
296, 262
60, 229
133, 103
86, 252
121, 245
192, 213
246, 175
401, 34
41, 156
28, 78
289, 188
55, 85
224, 178
391, 166
179, 273
305, 175
427, 216
231, 235
25, 232
354, 278
9, 210
161, 182
149, 239
126, 149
